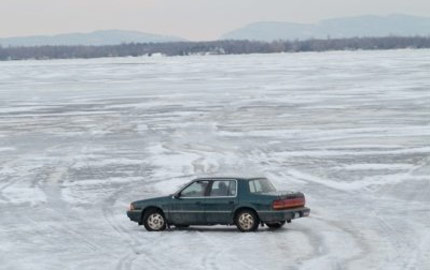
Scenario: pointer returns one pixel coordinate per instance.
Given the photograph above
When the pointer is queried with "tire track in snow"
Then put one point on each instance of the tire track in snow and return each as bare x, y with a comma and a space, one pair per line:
211, 261
10, 177
318, 239
326, 246
52, 190
135, 241
126, 261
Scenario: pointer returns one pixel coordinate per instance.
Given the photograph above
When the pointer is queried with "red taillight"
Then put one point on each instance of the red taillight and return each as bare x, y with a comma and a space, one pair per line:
278, 204
288, 203
131, 207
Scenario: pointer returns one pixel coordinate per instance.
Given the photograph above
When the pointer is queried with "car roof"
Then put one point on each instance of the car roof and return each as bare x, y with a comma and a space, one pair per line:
229, 178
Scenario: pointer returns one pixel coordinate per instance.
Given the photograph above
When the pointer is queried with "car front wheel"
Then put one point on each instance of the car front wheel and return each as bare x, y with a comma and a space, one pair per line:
154, 220
247, 221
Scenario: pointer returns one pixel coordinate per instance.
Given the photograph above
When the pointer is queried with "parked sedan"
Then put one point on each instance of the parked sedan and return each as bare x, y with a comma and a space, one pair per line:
244, 202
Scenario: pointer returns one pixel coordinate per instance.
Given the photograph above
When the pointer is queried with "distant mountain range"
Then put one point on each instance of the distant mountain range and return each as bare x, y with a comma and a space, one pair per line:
362, 26
105, 37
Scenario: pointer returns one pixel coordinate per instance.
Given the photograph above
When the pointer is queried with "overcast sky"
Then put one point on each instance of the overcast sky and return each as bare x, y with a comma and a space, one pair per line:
191, 19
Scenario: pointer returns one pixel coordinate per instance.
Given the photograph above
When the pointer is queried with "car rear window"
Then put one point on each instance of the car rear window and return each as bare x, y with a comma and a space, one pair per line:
261, 185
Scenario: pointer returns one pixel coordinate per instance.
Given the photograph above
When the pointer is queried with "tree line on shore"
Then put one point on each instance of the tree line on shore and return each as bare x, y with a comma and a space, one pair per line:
212, 47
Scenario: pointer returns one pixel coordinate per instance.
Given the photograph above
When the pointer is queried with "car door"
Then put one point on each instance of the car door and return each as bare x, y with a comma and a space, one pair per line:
188, 206
221, 201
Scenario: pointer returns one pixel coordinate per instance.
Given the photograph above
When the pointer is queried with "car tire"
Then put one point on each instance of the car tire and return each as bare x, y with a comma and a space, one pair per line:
275, 225
247, 221
154, 220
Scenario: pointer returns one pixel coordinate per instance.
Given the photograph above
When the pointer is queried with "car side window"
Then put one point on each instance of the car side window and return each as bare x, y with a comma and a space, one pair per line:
196, 189
261, 185
255, 186
252, 186
223, 188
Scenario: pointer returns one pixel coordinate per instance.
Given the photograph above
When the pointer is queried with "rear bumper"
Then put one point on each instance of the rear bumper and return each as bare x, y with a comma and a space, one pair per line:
283, 215
135, 215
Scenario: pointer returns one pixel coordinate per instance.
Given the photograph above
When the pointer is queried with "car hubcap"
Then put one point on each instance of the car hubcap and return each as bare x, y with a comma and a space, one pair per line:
155, 221
246, 221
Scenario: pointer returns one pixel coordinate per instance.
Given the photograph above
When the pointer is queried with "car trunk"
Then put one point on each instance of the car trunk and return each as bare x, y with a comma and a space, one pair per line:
287, 199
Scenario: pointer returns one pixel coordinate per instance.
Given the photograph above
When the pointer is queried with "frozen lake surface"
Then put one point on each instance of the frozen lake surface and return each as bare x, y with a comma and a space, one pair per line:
80, 139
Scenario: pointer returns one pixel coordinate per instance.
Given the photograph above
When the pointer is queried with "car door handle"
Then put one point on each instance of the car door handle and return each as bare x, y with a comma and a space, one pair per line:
230, 202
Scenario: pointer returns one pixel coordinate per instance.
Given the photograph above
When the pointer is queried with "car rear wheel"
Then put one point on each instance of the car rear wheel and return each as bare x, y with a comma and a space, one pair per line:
275, 225
154, 220
247, 221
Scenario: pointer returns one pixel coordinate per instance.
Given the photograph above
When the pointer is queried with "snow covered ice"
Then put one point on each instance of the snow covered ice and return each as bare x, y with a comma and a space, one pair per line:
81, 139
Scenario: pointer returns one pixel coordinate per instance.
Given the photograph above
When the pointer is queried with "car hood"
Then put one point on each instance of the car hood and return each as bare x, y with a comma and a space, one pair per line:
150, 201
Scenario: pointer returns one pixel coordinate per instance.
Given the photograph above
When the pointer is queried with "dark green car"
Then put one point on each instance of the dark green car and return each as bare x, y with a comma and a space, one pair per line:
245, 202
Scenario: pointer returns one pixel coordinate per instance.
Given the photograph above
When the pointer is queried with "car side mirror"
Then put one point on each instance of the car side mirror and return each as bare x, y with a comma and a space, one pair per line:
176, 196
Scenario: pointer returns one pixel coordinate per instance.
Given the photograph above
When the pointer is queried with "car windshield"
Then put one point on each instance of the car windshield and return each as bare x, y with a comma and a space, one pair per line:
261, 185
